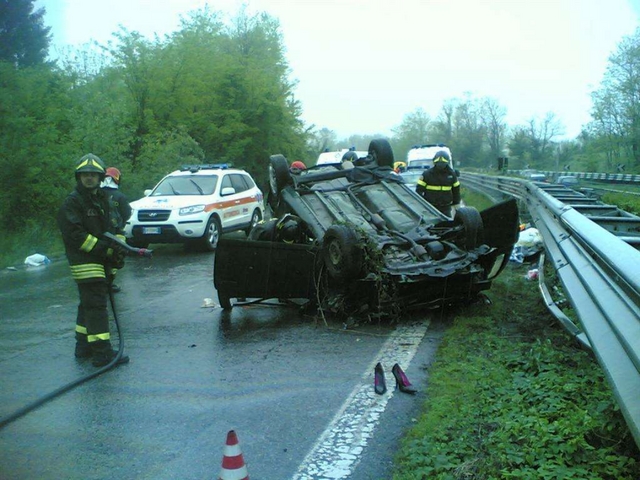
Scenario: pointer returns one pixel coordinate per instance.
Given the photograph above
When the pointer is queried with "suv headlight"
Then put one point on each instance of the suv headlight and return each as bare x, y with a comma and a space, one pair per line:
191, 210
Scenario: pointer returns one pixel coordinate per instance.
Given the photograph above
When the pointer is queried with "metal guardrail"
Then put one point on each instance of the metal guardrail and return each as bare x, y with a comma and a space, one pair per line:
600, 177
600, 273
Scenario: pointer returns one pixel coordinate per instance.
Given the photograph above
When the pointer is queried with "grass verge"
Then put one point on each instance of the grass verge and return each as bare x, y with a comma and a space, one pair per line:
512, 396
628, 203
17, 246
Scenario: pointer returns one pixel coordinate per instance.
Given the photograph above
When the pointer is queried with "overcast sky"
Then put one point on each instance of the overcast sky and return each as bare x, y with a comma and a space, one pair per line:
362, 65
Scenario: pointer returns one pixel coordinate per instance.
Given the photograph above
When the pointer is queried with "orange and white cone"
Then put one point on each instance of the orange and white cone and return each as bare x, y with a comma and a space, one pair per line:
233, 467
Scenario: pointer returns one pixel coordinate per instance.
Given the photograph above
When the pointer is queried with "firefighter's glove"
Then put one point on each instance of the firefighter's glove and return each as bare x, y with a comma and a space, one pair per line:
118, 258
115, 257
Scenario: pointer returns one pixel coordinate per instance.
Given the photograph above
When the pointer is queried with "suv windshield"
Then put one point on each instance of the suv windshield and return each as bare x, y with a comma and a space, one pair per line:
186, 185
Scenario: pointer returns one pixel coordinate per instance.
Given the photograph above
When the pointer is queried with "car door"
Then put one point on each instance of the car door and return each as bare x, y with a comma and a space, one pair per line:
229, 205
237, 207
241, 184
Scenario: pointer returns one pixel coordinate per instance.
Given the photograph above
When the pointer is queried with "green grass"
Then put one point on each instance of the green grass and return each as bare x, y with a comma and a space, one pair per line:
512, 395
17, 246
626, 202
474, 199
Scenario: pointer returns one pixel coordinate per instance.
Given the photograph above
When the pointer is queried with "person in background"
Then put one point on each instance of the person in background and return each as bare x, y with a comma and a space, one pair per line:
399, 167
82, 219
439, 184
111, 185
120, 208
297, 166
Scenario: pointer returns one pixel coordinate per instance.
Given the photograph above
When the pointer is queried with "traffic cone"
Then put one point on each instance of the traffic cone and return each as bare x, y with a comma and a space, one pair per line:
233, 467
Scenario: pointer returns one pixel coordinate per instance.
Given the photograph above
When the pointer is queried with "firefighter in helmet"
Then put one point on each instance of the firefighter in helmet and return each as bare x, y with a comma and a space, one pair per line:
439, 184
297, 167
83, 218
119, 207
111, 186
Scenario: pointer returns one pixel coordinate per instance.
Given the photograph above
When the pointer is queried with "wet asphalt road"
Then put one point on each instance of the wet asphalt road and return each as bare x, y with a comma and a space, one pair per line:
275, 376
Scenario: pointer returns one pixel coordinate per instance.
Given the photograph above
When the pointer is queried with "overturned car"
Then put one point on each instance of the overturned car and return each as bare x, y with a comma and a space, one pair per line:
353, 238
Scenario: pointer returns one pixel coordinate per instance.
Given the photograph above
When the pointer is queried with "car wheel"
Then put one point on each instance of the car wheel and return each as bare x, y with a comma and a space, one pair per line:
342, 253
279, 174
255, 219
470, 218
211, 233
381, 153
225, 300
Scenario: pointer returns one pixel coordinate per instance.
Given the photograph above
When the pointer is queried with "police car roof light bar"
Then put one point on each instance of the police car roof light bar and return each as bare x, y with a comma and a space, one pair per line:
207, 166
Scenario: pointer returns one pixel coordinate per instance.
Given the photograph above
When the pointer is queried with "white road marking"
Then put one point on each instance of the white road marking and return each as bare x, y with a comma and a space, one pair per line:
338, 450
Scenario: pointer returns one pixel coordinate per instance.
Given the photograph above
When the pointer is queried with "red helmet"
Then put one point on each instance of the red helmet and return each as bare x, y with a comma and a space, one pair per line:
114, 173
299, 165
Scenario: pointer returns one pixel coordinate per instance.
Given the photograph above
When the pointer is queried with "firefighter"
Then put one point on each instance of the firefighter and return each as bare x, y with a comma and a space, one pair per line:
111, 185
83, 217
399, 167
439, 184
297, 166
119, 206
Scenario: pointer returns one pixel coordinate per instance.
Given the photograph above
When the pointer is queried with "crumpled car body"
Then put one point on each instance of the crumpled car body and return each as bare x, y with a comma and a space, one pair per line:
371, 244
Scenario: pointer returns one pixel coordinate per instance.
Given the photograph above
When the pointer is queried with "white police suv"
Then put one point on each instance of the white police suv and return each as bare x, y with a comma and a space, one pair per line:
421, 156
196, 204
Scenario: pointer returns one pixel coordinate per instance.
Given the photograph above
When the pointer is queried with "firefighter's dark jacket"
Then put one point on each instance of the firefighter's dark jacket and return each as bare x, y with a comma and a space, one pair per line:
122, 210
82, 219
440, 188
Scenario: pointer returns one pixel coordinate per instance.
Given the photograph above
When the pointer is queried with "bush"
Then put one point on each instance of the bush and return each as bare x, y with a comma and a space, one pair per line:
511, 395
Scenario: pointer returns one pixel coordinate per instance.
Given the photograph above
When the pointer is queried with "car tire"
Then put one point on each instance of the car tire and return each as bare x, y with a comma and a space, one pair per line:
342, 253
470, 218
381, 152
255, 219
225, 300
212, 232
279, 174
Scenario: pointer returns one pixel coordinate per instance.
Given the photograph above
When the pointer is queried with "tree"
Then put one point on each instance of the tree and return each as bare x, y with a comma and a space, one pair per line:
321, 140
541, 134
616, 104
24, 40
459, 126
520, 148
134, 58
441, 130
492, 115
412, 131
35, 158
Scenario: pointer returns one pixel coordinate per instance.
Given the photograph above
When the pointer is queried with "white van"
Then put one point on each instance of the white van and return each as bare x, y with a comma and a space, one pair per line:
326, 158
421, 156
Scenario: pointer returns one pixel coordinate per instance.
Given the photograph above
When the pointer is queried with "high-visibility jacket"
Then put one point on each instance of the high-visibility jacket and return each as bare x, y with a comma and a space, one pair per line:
440, 188
82, 219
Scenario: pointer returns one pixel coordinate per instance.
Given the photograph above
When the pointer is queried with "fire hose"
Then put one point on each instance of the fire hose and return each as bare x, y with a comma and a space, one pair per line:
118, 243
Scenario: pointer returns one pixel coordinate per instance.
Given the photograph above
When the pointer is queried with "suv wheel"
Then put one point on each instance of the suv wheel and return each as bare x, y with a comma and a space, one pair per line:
211, 233
470, 218
279, 175
342, 253
255, 219
381, 152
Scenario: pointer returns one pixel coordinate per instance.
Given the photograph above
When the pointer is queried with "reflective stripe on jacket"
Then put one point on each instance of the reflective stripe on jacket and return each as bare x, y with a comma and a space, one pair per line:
439, 187
82, 219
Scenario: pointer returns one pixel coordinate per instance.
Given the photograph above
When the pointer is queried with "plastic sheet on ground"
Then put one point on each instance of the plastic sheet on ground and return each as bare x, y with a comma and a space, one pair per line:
36, 260
529, 244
